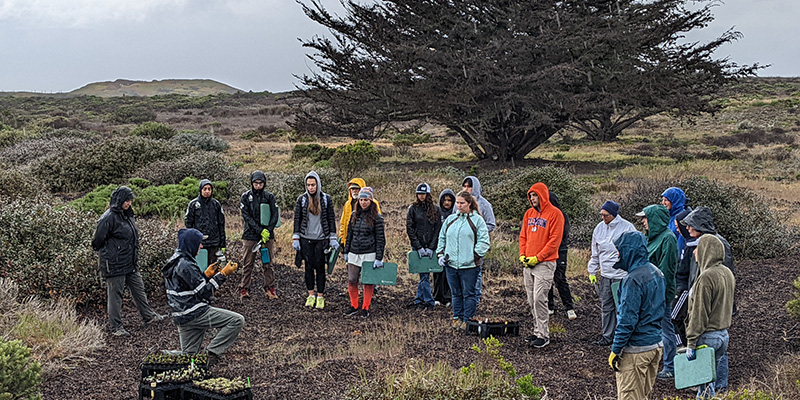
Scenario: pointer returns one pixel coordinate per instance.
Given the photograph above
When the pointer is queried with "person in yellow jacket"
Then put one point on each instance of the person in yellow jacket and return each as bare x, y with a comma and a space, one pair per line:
353, 187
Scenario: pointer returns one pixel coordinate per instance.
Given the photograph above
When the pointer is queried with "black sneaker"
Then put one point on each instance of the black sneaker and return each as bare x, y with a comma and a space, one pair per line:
213, 360
429, 307
604, 342
351, 311
540, 342
364, 314
121, 332
419, 306
530, 338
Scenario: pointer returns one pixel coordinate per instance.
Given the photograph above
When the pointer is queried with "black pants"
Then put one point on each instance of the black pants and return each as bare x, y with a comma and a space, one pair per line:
560, 283
314, 256
441, 289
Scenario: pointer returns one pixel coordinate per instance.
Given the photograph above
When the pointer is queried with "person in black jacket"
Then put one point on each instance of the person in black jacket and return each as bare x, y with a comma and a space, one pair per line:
117, 240
560, 275
314, 231
255, 232
205, 214
422, 226
365, 243
188, 294
441, 289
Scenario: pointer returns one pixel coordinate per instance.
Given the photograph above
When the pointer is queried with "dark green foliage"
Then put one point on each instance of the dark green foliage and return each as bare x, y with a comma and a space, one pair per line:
16, 183
103, 163
288, 186
154, 130
313, 151
203, 165
413, 138
793, 306
29, 152
20, 375
133, 114
354, 157
508, 193
201, 140
743, 217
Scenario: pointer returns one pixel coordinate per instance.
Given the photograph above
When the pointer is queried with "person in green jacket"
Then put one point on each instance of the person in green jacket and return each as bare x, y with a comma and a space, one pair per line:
463, 241
662, 248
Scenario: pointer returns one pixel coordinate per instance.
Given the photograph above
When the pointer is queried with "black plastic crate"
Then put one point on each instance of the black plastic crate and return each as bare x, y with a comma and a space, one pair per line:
485, 329
191, 392
164, 391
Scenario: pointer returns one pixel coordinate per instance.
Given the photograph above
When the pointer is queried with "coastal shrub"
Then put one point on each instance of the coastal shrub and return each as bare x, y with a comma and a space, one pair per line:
313, 151
154, 130
20, 375
202, 165
132, 114
354, 157
288, 186
201, 140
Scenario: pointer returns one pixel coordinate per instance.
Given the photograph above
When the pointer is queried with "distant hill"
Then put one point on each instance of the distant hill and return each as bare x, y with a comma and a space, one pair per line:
124, 87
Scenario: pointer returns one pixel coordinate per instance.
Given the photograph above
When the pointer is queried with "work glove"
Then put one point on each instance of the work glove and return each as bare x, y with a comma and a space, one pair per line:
211, 270
377, 264
345, 258
296, 244
531, 261
613, 361
522, 260
334, 243
442, 261
691, 353
265, 235
222, 249
230, 268
592, 279
429, 253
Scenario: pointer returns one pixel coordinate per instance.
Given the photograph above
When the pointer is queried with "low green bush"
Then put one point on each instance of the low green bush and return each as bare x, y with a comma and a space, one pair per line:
793, 306
743, 217
106, 162
203, 165
154, 130
132, 114
18, 183
201, 140
20, 375
354, 157
30, 152
313, 151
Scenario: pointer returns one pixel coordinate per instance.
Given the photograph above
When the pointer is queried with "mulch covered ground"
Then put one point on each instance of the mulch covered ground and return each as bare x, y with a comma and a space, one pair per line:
274, 347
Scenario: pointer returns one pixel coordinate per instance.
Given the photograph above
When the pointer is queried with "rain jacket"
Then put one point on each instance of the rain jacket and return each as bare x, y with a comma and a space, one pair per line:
251, 209
206, 215
349, 206
711, 297
677, 197
457, 242
604, 254
116, 236
188, 291
542, 229
365, 239
327, 214
641, 298
483, 205
443, 212
422, 232
662, 245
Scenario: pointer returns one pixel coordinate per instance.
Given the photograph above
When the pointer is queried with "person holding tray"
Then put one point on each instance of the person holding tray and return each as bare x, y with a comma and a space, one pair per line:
255, 231
422, 225
365, 243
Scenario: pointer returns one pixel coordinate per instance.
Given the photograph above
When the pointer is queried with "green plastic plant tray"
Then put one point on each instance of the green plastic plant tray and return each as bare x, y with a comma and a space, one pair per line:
379, 276
422, 265
696, 372
202, 259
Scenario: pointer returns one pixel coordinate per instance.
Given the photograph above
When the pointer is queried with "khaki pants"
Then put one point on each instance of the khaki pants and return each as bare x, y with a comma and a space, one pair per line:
637, 374
538, 281
248, 265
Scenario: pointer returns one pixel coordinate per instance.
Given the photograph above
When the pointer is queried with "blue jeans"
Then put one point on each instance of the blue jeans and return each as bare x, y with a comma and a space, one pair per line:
718, 340
462, 288
424, 295
722, 373
478, 286
668, 337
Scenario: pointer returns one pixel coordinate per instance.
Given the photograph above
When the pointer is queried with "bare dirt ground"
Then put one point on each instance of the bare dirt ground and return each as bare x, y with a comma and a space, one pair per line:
290, 352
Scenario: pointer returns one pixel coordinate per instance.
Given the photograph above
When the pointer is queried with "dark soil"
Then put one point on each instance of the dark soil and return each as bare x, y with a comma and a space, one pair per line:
571, 367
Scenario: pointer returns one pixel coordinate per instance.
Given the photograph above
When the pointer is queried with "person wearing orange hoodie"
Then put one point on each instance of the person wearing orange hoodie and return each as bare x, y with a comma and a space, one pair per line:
539, 239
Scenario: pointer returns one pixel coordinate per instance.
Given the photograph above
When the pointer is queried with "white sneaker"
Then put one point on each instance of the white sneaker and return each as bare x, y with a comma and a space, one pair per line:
571, 314
551, 312
437, 303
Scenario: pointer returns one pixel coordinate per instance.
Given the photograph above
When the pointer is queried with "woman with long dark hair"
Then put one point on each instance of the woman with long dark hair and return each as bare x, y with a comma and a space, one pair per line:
365, 243
422, 226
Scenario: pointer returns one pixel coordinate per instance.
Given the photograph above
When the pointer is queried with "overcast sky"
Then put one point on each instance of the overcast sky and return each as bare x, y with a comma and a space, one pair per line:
61, 45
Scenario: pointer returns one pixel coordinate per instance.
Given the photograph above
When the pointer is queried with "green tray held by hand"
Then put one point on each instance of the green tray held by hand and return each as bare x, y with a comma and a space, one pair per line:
696, 372
379, 276
334, 255
266, 214
417, 265
202, 259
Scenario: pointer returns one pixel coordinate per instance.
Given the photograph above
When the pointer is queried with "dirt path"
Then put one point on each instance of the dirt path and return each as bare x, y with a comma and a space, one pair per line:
293, 353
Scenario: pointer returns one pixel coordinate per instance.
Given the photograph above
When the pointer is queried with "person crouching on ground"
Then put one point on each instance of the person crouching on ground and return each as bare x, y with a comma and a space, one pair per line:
188, 294
365, 243
539, 239
314, 231
463, 241
637, 346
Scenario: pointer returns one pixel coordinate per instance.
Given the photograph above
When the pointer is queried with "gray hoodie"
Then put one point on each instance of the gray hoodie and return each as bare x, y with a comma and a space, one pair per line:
483, 205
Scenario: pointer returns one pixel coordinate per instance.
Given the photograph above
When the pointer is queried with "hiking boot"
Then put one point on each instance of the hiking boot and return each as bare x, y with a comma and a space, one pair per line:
665, 375
364, 314
271, 293
429, 307
461, 326
213, 360
530, 338
540, 342
320, 303
156, 318
571, 315
419, 306
604, 342
455, 323
351, 311
310, 300
121, 332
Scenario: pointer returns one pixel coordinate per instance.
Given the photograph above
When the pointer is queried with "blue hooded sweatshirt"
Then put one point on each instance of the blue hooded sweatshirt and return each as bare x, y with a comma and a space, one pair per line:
678, 199
641, 297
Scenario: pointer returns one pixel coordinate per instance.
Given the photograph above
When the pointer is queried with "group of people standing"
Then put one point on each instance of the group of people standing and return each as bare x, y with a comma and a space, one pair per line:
675, 288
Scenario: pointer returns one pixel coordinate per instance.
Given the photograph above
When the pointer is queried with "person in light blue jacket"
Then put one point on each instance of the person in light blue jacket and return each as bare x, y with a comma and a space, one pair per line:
463, 241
